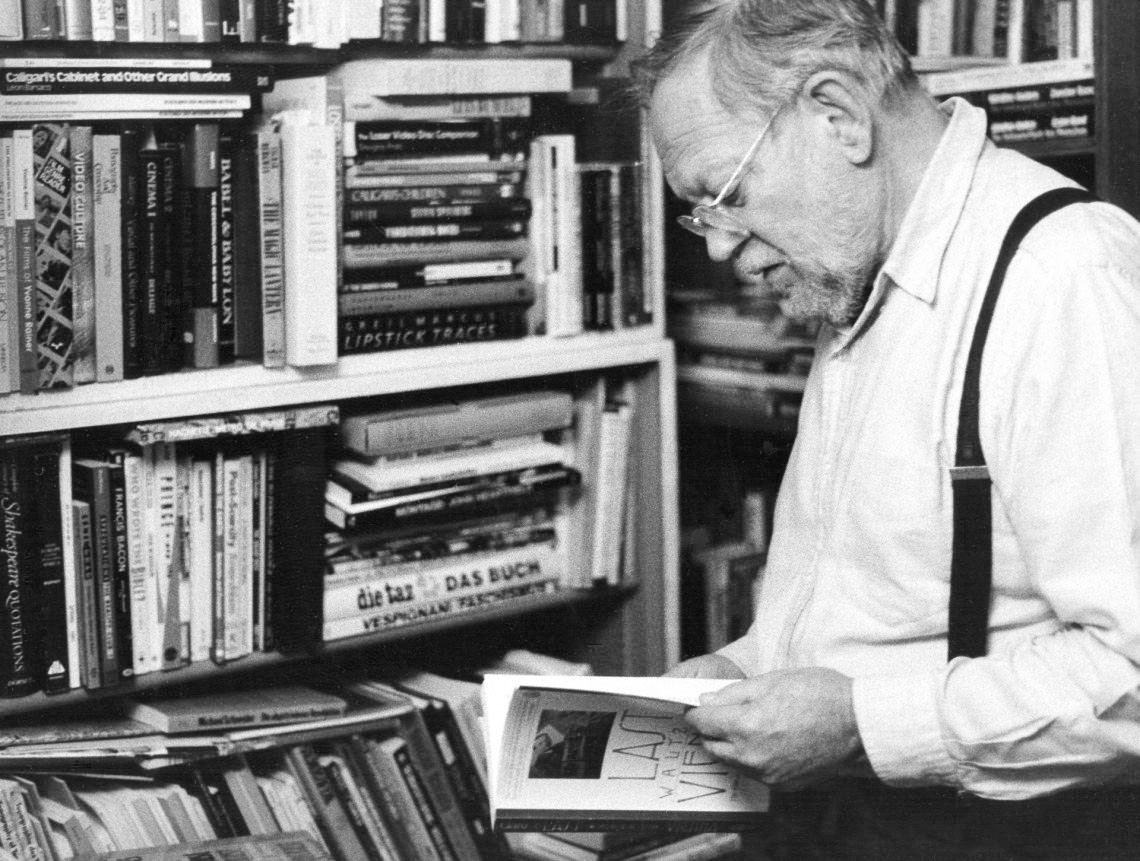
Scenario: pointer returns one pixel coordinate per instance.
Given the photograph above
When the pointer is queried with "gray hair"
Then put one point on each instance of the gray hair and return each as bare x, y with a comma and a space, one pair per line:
763, 51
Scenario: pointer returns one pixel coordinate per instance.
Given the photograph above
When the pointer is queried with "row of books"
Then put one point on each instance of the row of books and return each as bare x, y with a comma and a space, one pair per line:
363, 767
740, 358
1047, 101
326, 24
178, 542
1014, 31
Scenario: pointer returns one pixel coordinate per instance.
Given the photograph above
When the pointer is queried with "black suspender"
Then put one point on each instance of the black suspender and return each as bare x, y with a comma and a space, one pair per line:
971, 565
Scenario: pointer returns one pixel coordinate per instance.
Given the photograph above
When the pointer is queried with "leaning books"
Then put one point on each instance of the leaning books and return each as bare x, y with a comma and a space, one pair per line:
598, 753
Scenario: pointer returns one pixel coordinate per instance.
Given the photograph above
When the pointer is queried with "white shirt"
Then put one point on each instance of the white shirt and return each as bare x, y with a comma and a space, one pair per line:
858, 570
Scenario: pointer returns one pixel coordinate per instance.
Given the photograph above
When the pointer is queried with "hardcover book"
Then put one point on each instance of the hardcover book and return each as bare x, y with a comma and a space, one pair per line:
607, 753
244, 708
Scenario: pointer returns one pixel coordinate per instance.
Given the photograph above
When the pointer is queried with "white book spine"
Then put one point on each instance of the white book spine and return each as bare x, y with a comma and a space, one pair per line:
565, 302
9, 303
107, 170
184, 465
12, 24
382, 478
136, 21
272, 249
237, 472
1015, 52
142, 592
610, 489
190, 23
1086, 34
201, 559
415, 77
70, 577
437, 21
366, 19
78, 18
493, 21
244, 596
308, 167
166, 525
87, 103
935, 28
102, 20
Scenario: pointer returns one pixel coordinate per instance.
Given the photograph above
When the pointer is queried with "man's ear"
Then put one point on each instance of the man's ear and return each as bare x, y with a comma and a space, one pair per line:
837, 103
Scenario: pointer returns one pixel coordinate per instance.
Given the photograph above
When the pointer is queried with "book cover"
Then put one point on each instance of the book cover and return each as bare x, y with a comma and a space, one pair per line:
597, 753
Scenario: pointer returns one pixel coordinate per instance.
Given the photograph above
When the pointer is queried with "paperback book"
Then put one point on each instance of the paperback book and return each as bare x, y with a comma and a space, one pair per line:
608, 753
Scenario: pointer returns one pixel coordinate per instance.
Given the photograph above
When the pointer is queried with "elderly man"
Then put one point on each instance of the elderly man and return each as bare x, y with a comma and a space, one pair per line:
818, 166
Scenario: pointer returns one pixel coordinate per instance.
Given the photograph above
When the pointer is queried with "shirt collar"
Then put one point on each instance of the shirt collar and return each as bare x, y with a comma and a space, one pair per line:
914, 263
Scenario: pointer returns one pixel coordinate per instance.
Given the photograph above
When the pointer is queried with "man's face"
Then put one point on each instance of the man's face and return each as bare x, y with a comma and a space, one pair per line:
812, 237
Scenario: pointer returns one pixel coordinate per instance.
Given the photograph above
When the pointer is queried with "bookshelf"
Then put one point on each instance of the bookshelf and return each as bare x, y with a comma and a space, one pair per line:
628, 630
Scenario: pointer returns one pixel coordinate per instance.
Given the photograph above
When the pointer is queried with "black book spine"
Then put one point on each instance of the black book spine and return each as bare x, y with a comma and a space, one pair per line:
451, 194
45, 513
227, 277
87, 598
268, 634
121, 559
400, 213
18, 647
400, 21
151, 259
429, 231
170, 242
91, 483
497, 137
273, 21
414, 781
298, 525
131, 189
200, 245
248, 341
229, 14
372, 333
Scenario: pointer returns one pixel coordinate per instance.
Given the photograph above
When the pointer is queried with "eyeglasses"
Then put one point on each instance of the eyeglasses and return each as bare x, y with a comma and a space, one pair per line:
707, 217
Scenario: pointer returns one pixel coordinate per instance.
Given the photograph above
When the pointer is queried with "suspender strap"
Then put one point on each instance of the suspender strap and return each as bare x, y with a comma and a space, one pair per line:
971, 563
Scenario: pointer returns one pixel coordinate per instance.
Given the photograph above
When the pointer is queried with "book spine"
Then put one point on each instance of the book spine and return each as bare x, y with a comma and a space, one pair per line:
248, 323
108, 212
201, 559
236, 504
171, 21
257, 548
54, 252
383, 757
464, 230
309, 216
369, 175
226, 278
272, 248
143, 611
413, 779
121, 562
190, 21
152, 262
173, 308
154, 27
354, 811
269, 531
480, 205
499, 138
432, 201
427, 298
429, 275
218, 587
166, 532
42, 20
120, 15
370, 803
70, 574
385, 586
83, 347
330, 813
200, 248
87, 600
400, 21
46, 558
414, 614
24, 219
363, 107
296, 509
131, 244
11, 21
92, 485
9, 298
235, 424
366, 255
378, 332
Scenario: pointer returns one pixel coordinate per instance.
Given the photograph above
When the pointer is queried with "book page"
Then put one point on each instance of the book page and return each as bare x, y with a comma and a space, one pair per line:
559, 747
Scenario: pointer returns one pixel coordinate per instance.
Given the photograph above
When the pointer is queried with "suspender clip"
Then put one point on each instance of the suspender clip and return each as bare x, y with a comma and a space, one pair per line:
980, 472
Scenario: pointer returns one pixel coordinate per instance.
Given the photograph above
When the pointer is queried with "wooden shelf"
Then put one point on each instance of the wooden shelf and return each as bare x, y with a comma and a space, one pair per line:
265, 660
249, 386
297, 55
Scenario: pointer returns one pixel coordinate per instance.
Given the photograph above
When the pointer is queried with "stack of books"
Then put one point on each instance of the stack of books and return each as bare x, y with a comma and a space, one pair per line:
320, 23
444, 509
424, 192
740, 357
182, 542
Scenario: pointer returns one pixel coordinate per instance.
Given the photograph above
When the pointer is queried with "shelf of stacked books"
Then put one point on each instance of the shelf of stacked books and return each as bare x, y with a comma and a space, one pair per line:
158, 552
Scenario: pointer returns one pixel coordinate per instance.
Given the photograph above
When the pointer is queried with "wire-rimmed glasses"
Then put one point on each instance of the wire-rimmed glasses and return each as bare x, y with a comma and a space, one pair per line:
707, 217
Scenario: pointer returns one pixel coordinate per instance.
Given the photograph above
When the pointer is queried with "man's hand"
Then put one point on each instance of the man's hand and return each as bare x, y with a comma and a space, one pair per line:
706, 667
790, 728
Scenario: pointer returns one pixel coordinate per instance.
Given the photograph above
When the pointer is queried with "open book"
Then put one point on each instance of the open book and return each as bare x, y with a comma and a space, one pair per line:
605, 753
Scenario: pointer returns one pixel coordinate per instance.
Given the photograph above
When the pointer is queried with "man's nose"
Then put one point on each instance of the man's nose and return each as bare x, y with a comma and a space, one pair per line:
722, 244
